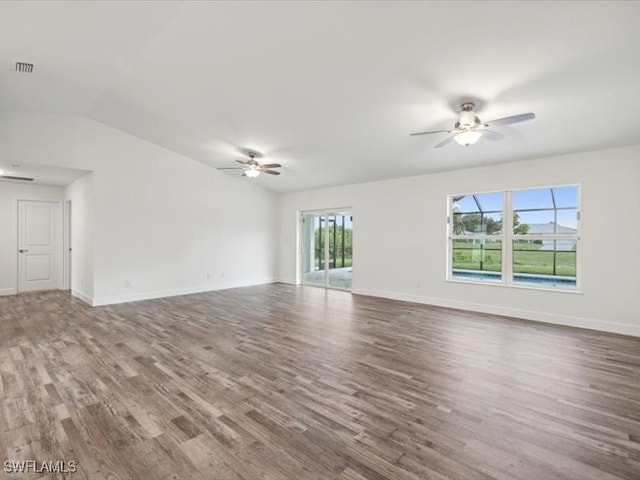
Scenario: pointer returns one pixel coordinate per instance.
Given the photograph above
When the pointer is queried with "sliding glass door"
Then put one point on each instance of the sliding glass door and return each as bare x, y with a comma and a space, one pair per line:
327, 248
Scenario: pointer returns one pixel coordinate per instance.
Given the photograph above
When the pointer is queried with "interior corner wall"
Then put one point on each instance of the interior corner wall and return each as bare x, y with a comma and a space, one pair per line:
10, 193
400, 235
80, 194
161, 224
169, 226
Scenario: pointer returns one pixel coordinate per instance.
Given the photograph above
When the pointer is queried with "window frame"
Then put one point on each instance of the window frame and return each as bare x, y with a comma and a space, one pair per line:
507, 238
483, 236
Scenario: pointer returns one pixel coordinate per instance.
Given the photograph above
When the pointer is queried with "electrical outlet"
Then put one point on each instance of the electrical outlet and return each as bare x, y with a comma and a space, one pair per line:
127, 283
208, 276
419, 284
221, 274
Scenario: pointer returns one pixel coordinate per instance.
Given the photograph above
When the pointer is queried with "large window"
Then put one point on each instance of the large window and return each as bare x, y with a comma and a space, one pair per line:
521, 237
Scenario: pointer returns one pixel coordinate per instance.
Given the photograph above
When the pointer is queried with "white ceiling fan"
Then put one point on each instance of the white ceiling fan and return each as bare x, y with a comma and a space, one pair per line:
251, 168
468, 129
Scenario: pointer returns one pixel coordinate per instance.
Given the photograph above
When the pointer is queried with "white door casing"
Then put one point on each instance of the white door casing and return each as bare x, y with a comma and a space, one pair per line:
66, 246
39, 248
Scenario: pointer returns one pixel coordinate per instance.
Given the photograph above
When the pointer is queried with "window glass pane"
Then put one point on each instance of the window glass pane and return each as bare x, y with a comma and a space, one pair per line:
534, 223
568, 222
545, 262
566, 196
477, 223
477, 214
532, 199
464, 204
490, 202
476, 259
545, 222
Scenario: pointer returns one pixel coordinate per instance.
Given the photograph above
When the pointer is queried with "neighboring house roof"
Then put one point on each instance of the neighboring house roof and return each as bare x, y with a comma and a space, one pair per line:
549, 228
534, 229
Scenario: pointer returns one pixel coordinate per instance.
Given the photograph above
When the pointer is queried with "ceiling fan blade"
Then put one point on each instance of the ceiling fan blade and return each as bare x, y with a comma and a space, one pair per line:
445, 141
242, 162
271, 165
491, 135
523, 117
270, 172
429, 133
229, 168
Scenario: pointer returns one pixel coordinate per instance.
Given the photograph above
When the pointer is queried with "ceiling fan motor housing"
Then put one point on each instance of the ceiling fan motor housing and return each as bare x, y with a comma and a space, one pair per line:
467, 121
467, 118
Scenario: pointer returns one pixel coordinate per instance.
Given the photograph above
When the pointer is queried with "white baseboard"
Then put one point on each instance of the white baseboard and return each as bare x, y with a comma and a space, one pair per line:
7, 291
137, 297
82, 296
546, 317
289, 280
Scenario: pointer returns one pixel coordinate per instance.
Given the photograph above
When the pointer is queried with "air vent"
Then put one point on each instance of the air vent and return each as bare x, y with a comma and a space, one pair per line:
19, 179
22, 67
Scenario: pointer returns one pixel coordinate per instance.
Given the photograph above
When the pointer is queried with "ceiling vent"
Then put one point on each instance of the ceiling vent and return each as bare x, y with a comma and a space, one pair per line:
18, 179
23, 67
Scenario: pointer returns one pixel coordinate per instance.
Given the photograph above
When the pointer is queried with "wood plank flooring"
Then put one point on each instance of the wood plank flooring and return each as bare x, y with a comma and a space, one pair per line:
281, 382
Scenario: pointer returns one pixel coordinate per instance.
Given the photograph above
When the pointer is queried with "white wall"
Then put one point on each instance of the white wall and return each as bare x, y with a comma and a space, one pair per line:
80, 194
10, 193
400, 238
159, 222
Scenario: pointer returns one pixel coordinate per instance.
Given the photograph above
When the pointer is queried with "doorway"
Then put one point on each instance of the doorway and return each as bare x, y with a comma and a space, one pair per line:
327, 248
39, 249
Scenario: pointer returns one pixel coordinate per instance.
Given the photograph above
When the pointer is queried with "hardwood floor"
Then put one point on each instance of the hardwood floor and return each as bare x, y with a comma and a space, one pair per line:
282, 382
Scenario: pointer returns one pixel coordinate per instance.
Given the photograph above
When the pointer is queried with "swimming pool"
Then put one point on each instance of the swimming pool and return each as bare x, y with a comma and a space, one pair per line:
518, 278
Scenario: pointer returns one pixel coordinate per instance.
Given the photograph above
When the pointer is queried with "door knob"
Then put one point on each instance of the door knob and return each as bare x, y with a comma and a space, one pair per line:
23, 251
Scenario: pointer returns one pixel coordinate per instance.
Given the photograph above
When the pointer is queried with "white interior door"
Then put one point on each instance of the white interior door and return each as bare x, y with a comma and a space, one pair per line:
38, 246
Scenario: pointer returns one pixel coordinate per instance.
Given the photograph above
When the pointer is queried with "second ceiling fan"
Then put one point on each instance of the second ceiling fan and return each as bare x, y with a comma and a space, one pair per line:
251, 168
468, 129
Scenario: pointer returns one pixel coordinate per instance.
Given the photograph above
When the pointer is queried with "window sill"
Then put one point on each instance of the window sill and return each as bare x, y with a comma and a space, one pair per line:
515, 285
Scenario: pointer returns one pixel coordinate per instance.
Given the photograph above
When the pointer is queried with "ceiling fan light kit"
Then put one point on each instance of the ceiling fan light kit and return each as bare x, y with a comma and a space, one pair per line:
252, 172
469, 129
468, 137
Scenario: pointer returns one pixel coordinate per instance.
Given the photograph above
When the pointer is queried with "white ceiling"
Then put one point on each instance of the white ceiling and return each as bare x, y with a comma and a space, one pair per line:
42, 174
332, 90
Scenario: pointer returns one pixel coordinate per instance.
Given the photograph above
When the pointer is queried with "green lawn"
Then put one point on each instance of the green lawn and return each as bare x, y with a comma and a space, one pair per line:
527, 258
541, 261
348, 262
470, 256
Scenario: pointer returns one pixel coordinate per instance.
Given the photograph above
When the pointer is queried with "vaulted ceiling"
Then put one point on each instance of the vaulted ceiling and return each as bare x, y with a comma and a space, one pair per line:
332, 90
